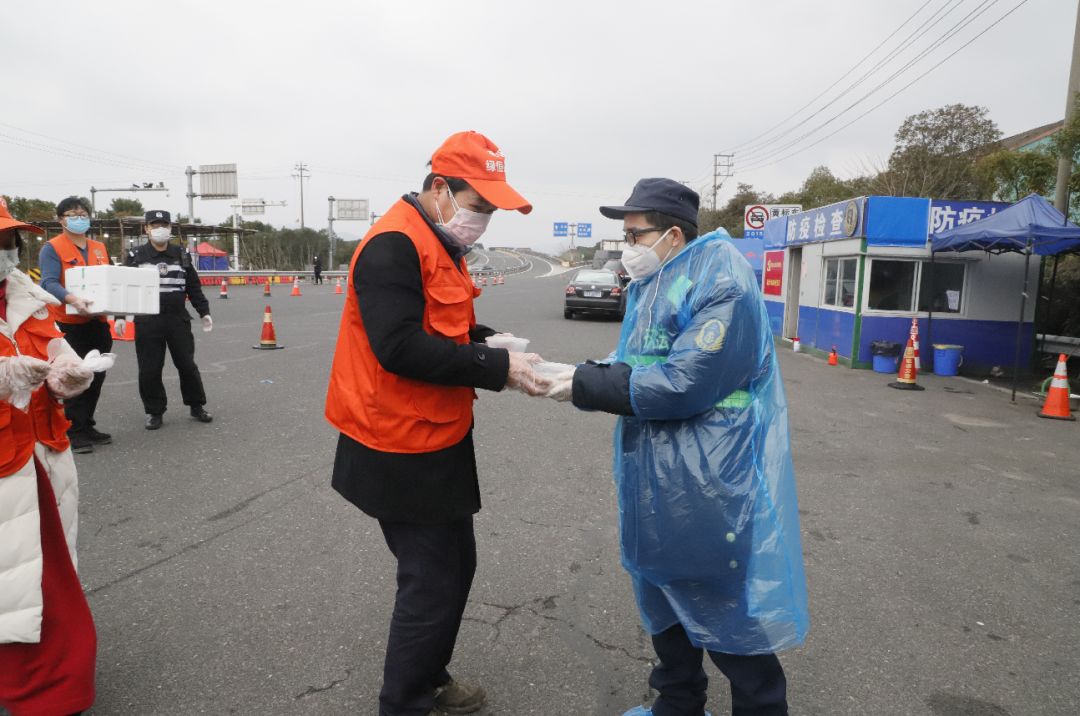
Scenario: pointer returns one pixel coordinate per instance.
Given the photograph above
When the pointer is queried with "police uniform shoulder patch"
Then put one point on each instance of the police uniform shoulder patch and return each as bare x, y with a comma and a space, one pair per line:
41, 314
711, 336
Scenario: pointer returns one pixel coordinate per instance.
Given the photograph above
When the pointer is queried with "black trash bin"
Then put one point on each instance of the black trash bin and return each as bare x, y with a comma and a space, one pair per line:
886, 355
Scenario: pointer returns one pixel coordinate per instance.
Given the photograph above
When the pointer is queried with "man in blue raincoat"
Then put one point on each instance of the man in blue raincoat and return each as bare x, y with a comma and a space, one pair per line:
702, 459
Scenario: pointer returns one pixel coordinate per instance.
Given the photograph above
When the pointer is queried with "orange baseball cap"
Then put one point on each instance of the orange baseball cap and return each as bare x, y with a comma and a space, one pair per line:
7, 221
475, 158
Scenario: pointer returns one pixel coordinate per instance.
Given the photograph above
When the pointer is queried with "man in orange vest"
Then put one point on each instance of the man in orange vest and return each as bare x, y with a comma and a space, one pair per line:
409, 355
84, 332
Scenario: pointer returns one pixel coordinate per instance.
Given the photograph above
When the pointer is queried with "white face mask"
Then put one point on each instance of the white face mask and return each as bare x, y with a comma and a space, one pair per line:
466, 226
643, 261
160, 235
9, 261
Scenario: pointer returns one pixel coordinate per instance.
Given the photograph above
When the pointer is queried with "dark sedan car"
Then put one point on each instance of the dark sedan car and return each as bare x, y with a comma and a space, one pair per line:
595, 291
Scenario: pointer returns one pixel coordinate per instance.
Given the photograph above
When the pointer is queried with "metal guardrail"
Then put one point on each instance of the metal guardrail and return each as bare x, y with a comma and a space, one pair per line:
1057, 344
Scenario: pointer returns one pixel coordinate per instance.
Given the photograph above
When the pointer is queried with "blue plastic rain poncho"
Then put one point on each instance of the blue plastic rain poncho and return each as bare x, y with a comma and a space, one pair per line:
708, 512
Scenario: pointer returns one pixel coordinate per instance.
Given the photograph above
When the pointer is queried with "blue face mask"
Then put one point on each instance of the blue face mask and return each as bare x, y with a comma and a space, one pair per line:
78, 224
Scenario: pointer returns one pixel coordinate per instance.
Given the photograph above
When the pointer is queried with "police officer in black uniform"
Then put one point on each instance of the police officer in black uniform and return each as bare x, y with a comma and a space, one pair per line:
172, 326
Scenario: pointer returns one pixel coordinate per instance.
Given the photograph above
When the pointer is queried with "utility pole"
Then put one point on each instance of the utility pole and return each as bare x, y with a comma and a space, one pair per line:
330, 233
190, 194
1061, 197
723, 168
302, 173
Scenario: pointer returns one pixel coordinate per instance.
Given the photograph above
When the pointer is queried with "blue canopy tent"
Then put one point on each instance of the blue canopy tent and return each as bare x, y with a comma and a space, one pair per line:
1030, 226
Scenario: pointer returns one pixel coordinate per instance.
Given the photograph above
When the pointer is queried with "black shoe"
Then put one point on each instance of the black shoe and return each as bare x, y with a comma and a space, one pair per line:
99, 438
199, 413
153, 422
81, 443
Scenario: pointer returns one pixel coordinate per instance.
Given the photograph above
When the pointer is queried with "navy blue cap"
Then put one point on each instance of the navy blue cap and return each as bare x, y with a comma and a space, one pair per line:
657, 194
157, 215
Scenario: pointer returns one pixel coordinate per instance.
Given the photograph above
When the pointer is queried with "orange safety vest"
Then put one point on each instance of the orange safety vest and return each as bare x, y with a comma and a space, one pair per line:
389, 412
70, 255
44, 422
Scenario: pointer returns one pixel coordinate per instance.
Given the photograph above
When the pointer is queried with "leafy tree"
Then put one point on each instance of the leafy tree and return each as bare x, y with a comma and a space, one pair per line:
25, 209
120, 206
1010, 176
936, 151
823, 187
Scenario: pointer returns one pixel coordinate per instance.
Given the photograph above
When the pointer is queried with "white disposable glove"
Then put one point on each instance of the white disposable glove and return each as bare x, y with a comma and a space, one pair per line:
68, 376
19, 377
562, 389
98, 362
82, 305
207, 323
522, 376
120, 325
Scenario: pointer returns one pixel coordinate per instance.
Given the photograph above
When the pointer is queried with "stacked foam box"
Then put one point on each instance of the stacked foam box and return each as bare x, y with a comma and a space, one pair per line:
115, 289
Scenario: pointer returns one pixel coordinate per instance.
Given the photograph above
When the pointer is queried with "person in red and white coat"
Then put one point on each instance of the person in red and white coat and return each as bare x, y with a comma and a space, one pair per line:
47, 640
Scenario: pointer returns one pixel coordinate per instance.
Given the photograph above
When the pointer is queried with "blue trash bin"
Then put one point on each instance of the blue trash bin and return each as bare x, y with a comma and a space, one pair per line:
948, 359
886, 364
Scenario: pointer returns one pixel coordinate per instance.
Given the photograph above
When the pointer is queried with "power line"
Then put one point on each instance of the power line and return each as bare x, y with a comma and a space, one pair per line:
916, 35
894, 94
838, 80
302, 173
152, 164
939, 42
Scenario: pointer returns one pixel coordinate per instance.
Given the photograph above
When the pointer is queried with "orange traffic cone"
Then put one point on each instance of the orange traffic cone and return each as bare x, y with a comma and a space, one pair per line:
337, 288
295, 287
832, 357
1057, 398
129, 331
224, 289
266, 287
268, 339
905, 379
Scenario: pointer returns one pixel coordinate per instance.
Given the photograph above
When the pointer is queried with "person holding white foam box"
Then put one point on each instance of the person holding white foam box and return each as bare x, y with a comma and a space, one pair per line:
84, 332
171, 327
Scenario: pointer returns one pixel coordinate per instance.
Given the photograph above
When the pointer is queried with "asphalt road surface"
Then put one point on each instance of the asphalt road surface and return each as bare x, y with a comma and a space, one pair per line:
940, 532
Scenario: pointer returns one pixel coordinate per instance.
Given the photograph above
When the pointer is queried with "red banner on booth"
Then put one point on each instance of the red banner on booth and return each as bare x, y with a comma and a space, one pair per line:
774, 273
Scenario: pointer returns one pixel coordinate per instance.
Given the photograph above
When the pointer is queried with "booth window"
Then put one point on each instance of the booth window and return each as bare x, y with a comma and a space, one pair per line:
840, 277
948, 287
892, 285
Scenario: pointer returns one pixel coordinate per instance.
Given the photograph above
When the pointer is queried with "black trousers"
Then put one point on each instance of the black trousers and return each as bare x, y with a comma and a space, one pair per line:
435, 569
318, 277
152, 335
758, 684
83, 338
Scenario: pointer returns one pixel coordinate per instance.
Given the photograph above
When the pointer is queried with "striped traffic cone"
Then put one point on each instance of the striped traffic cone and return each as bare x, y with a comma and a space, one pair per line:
1056, 406
295, 287
908, 375
266, 288
268, 339
915, 342
224, 289
337, 288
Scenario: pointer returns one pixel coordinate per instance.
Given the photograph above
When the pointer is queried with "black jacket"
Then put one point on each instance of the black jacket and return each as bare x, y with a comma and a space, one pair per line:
179, 279
433, 487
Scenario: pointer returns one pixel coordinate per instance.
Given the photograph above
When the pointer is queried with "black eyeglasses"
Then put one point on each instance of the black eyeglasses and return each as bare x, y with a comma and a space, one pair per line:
632, 235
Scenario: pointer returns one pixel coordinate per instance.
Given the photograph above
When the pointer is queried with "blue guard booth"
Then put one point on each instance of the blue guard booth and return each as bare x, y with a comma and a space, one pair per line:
848, 274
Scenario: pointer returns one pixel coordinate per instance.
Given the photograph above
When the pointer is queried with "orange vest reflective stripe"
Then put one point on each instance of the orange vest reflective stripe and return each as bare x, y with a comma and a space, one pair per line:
44, 422
389, 412
70, 255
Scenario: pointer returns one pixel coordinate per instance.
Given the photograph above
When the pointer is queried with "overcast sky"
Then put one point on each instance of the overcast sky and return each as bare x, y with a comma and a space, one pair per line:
583, 97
